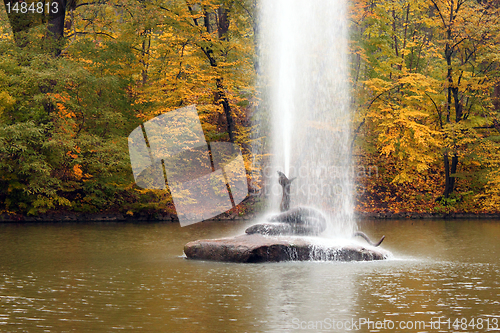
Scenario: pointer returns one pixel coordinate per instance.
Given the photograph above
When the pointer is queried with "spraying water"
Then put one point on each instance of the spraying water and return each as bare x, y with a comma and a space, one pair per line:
304, 63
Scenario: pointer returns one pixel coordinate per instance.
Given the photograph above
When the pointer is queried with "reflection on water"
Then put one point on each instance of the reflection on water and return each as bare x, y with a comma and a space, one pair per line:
132, 277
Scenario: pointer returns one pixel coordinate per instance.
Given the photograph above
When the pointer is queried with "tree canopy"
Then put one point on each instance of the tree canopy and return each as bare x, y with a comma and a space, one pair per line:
73, 85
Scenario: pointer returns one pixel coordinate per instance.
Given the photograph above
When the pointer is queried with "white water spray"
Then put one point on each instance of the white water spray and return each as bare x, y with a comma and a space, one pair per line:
304, 61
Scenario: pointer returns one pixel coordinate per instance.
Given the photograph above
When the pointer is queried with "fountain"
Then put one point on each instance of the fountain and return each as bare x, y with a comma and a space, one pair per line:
285, 236
304, 61
304, 56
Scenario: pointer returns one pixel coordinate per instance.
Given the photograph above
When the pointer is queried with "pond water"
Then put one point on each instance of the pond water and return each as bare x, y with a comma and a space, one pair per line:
101, 277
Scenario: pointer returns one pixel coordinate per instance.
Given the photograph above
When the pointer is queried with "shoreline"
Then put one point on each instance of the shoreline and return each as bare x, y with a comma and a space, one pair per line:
424, 216
162, 216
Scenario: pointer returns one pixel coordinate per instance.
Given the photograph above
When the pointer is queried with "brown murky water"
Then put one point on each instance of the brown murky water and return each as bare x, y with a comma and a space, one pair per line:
132, 277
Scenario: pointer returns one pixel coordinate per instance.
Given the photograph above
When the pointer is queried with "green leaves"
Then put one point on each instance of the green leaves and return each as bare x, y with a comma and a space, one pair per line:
64, 120
24, 170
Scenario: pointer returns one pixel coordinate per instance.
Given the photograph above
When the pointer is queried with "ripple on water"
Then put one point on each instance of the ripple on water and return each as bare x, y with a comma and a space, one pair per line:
132, 289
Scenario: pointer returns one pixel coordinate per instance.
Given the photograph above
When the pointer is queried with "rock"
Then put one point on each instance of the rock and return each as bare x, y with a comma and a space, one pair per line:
276, 229
257, 248
296, 221
300, 215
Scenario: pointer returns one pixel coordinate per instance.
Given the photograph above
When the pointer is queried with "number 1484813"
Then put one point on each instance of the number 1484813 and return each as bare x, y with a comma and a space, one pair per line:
22, 7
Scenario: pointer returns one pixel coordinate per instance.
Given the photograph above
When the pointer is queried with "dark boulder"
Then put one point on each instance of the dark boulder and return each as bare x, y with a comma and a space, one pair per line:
296, 221
276, 229
258, 248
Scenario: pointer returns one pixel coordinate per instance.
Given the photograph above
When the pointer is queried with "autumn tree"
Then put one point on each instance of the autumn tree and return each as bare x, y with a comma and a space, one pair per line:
468, 32
113, 65
63, 123
424, 74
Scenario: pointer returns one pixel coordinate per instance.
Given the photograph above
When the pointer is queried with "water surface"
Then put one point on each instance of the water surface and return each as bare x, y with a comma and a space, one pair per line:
133, 277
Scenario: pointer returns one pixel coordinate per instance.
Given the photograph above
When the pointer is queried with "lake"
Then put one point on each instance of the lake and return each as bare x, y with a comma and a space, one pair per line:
105, 277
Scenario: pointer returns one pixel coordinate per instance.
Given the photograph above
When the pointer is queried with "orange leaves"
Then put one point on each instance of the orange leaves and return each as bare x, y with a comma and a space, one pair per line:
72, 154
62, 97
63, 112
65, 115
77, 171
73, 166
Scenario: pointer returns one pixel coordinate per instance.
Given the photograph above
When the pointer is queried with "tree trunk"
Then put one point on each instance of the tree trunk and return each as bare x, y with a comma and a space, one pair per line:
144, 60
449, 172
56, 19
496, 98
222, 23
227, 108
56, 25
222, 28
453, 171
447, 179
452, 97
21, 22
221, 98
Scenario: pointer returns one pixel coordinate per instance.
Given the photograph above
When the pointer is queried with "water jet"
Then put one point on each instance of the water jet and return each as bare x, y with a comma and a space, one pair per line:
304, 67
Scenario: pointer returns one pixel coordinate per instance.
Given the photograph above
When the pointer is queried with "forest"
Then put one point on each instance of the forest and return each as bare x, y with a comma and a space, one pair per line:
74, 83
